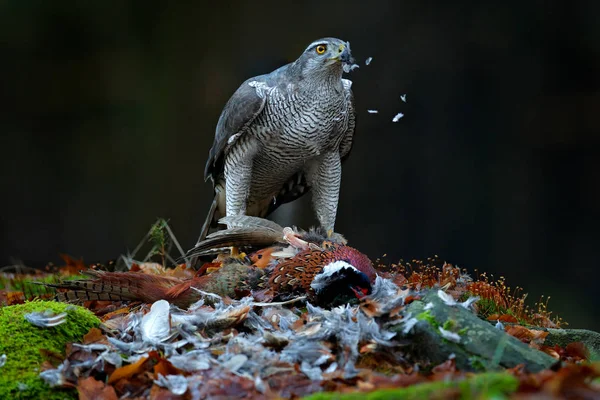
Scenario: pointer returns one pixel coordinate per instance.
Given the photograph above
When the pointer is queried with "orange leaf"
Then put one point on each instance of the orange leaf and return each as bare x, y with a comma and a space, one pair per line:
112, 314
206, 266
165, 368
128, 371
578, 350
508, 318
93, 336
13, 298
520, 332
91, 389
72, 266
160, 393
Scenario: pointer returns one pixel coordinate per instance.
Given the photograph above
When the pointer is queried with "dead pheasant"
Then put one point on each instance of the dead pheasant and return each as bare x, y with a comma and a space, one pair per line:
330, 275
296, 263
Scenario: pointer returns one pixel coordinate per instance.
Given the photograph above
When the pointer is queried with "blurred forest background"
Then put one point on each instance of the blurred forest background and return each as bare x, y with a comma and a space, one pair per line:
108, 110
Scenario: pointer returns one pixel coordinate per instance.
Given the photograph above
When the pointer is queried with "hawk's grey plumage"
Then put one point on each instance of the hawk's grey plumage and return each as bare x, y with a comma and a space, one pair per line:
283, 133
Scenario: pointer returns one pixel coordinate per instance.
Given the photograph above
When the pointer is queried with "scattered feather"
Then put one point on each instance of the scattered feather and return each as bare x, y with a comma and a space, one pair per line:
372, 111
236, 362
349, 67
446, 298
409, 323
397, 117
451, 336
368, 60
177, 384
2, 360
46, 319
55, 377
156, 325
469, 302
403, 98
450, 301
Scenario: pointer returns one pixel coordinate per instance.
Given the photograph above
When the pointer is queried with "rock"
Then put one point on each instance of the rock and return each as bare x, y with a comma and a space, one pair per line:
480, 346
563, 337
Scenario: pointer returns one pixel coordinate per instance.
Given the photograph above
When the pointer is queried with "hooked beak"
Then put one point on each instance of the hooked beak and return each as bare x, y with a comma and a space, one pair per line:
343, 54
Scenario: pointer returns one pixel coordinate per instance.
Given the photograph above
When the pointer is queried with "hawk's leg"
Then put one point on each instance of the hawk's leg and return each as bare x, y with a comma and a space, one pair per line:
324, 175
238, 177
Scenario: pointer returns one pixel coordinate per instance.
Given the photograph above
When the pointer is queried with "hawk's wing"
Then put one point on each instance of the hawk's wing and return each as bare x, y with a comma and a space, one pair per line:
242, 108
240, 111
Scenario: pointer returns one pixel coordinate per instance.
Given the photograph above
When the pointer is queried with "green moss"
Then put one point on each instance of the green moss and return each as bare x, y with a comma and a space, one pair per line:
449, 325
22, 342
487, 307
478, 363
484, 385
428, 316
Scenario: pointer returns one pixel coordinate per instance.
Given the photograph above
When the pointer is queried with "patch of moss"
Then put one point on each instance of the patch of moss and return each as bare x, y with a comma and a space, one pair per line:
478, 363
428, 317
487, 307
488, 385
22, 342
449, 325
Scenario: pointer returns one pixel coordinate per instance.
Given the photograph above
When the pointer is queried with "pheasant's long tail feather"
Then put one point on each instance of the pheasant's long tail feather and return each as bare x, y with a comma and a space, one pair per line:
114, 286
73, 296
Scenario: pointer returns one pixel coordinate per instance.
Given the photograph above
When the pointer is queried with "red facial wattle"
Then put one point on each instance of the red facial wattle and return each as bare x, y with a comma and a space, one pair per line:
360, 292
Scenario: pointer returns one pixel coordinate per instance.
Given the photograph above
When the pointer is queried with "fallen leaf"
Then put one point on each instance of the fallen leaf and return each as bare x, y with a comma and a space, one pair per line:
95, 335
127, 371
91, 389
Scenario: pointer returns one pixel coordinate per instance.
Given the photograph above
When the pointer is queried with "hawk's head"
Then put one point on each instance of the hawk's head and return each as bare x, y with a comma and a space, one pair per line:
326, 56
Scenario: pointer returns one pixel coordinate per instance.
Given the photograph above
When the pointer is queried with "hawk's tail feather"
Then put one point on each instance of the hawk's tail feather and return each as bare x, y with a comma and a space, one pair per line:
238, 237
247, 221
210, 219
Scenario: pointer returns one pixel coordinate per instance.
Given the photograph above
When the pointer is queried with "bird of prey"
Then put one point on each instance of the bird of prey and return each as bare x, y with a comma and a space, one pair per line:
283, 134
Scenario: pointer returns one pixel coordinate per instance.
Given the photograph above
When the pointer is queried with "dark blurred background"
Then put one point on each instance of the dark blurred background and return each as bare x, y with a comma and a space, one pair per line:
108, 110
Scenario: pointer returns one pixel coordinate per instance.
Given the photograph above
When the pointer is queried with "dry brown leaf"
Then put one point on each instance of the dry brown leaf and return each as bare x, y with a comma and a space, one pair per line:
165, 368
160, 393
91, 389
95, 335
127, 371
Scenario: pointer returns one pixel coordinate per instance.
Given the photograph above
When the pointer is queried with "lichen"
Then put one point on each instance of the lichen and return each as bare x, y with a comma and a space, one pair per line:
488, 385
22, 342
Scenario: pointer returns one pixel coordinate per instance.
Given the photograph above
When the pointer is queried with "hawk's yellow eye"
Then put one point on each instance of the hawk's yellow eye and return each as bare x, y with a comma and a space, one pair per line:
321, 49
